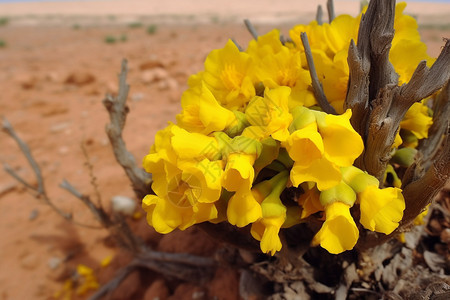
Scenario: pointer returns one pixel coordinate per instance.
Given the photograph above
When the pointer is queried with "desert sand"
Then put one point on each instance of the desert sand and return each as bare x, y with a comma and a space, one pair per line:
54, 72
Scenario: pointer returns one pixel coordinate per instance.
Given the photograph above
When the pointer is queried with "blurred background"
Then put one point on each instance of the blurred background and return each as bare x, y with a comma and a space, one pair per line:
57, 61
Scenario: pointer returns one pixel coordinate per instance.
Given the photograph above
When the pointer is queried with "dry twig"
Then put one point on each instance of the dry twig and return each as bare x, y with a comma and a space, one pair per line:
319, 15
330, 9
317, 86
117, 109
251, 29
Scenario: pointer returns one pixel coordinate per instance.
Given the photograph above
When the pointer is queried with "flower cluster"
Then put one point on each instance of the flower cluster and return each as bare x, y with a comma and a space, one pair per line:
250, 129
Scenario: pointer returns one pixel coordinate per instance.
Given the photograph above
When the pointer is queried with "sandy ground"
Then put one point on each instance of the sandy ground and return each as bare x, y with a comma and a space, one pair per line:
53, 76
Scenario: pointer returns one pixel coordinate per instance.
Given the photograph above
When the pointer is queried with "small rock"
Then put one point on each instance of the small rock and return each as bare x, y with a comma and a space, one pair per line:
7, 187
123, 205
434, 261
59, 127
29, 261
79, 78
151, 64
54, 262
111, 87
52, 77
154, 75
169, 84
63, 150
27, 82
445, 235
33, 215
137, 97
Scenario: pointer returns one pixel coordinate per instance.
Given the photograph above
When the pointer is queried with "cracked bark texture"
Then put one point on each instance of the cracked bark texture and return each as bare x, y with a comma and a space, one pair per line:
379, 104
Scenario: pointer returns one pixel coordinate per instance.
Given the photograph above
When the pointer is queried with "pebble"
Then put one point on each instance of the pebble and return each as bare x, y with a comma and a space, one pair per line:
33, 215
154, 75
137, 97
168, 84
7, 187
151, 64
59, 127
79, 78
29, 261
63, 150
123, 205
54, 262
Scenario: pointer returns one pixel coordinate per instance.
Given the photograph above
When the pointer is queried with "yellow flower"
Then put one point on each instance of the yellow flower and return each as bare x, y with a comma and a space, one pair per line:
271, 112
202, 113
265, 45
192, 145
240, 155
187, 197
342, 144
273, 216
417, 120
320, 148
243, 208
165, 216
335, 80
315, 33
321, 171
162, 159
339, 232
340, 31
305, 145
381, 209
229, 75
88, 280
310, 202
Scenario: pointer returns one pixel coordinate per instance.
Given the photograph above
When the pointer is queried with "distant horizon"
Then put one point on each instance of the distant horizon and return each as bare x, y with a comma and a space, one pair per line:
12, 1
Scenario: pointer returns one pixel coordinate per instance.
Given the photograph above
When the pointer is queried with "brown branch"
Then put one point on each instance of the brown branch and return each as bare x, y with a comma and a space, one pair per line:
98, 213
181, 266
421, 192
114, 283
377, 102
227, 233
118, 110
40, 189
317, 87
357, 98
441, 114
330, 9
251, 29
7, 127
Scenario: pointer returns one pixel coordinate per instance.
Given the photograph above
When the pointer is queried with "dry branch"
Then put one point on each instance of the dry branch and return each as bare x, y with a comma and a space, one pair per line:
251, 29
319, 15
317, 86
377, 102
117, 109
330, 9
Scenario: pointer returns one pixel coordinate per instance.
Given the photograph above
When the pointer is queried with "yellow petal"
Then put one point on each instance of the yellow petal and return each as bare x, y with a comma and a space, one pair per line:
243, 209
321, 171
339, 232
342, 144
310, 202
239, 172
305, 145
381, 209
